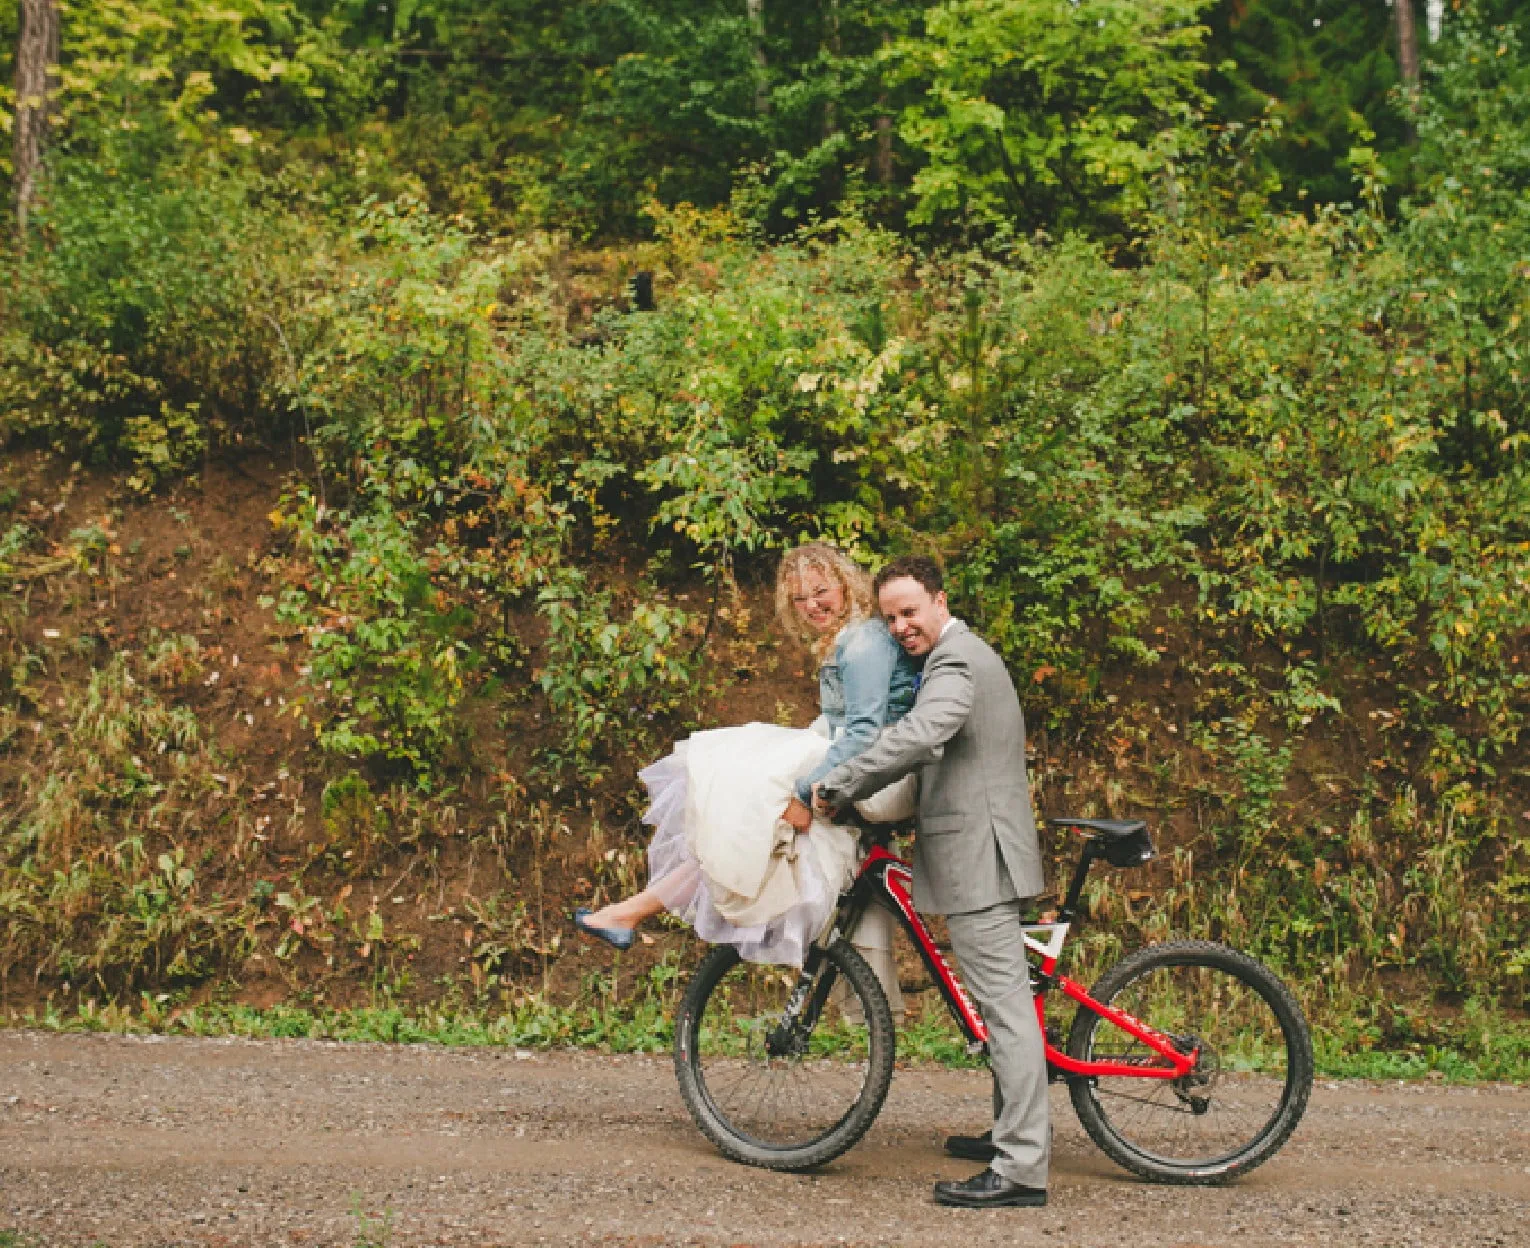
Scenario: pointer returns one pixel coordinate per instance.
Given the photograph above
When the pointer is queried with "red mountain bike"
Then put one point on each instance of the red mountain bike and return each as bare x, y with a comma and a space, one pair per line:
1189, 1063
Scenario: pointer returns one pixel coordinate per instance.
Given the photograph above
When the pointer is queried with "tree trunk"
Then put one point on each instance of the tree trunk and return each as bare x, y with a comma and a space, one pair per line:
1407, 44
36, 78
832, 46
756, 10
883, 164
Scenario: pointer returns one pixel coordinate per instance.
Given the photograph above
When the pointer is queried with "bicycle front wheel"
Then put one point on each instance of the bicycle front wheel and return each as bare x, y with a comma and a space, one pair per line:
764, 1086
1247, 1090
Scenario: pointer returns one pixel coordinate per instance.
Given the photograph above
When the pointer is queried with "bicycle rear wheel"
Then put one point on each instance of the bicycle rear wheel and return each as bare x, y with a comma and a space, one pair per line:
766, 1089
1246, 1092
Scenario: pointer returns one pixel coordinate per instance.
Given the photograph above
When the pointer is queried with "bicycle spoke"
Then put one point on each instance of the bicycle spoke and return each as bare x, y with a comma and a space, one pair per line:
1240, 1098
1143, 1100
778, 1099
767, 1088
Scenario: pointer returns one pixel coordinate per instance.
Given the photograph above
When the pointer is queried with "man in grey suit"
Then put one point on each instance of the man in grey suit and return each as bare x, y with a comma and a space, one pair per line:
976, 858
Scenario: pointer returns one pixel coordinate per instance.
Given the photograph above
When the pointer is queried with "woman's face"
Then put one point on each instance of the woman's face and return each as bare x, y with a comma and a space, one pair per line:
819, 599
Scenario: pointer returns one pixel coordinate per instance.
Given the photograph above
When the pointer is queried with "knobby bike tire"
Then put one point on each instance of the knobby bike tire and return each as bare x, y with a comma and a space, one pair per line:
727, 1128
1274, 1104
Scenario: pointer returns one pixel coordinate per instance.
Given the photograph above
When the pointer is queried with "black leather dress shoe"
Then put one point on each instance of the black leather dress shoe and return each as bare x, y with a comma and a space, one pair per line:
972, 1147
989, 1190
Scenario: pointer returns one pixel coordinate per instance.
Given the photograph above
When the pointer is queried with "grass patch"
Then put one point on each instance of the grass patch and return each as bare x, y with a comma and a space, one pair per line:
20, 1239
639, 1028
1482, 1046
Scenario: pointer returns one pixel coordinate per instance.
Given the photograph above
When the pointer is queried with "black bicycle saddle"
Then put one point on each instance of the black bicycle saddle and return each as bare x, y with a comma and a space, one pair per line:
1106, 827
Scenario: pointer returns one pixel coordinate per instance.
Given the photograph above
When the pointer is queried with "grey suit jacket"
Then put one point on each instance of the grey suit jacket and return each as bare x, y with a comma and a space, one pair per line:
977, 844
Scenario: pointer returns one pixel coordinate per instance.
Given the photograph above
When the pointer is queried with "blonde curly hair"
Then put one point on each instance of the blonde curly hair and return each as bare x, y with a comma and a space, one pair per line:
838, 567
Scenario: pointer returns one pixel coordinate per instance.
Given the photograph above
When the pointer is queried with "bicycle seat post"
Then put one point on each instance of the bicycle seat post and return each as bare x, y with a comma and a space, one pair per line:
1068, 911
1121, 842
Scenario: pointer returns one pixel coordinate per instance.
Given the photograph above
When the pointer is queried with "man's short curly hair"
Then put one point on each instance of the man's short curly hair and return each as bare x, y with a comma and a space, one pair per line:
920, 568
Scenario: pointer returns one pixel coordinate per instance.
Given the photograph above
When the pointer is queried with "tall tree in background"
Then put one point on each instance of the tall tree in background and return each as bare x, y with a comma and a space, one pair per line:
882, 165
1407, 60
757, 42
36, 78
1407, 44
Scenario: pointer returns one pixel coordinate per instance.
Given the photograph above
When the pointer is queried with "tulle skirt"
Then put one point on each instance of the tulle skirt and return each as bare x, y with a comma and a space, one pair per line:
744, 775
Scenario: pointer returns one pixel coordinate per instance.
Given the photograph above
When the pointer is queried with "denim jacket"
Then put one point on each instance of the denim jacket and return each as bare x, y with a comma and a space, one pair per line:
867, 683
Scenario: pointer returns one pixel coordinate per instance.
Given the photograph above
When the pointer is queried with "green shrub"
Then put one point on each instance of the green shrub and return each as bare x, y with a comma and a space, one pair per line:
607, 679
386, 649
145, 321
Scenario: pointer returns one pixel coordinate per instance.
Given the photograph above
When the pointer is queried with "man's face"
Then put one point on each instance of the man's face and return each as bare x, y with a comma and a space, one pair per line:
914, 615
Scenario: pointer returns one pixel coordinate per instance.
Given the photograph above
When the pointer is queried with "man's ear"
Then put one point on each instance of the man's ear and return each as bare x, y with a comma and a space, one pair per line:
940, 600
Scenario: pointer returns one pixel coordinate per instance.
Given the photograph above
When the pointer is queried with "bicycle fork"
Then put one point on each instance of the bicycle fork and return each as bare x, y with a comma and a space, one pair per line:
803, 1008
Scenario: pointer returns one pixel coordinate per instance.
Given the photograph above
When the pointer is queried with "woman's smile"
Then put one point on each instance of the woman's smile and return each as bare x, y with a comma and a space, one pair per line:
820, 602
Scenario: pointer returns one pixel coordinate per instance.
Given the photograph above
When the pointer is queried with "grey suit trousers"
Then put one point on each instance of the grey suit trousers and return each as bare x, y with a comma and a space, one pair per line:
990, 950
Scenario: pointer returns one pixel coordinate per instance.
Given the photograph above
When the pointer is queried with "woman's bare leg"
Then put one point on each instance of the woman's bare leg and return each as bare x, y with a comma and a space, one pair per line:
674, 891
628, 912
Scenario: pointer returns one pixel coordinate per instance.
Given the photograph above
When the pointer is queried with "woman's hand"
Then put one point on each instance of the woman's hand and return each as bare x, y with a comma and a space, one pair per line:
798, 815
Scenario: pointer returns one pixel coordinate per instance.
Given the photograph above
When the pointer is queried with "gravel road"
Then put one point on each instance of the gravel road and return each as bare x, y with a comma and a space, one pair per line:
115, 1141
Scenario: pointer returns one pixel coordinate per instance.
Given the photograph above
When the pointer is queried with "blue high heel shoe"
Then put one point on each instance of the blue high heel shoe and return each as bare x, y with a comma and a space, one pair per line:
616, 937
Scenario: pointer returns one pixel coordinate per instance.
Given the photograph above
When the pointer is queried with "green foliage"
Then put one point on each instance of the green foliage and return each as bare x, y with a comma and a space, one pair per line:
387, 652
1467, 234
1327, 71
1483, 1046
969, 115
199, 64
537, 114
394, 351
1048, 115
718, 495
505, 440
140, 327
503, 941
1244, 440
353, 825
1259, 474
607, 679
163, 445
371, 1232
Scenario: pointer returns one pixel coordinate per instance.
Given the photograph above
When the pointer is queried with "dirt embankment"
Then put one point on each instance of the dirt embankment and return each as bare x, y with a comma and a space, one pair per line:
445, 874
327, 881
128, 1143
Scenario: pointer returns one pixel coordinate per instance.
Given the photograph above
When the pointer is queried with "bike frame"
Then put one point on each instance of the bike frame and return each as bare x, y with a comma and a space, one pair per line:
888, 880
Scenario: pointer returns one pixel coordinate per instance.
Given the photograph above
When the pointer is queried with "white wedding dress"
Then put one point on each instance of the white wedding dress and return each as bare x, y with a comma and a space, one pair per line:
724, 860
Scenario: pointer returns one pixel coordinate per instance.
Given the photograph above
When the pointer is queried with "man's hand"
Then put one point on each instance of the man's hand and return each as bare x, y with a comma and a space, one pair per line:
823, 808
798, 815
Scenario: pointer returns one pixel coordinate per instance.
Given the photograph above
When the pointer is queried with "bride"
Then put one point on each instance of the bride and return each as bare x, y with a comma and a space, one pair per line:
737, 851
